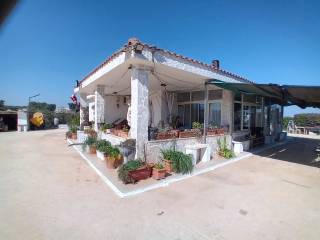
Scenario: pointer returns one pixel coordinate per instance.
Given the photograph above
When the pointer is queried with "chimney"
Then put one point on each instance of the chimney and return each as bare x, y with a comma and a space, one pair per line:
216, 64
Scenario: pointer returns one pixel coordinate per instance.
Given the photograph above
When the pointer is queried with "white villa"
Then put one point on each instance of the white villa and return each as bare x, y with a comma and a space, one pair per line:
165, 91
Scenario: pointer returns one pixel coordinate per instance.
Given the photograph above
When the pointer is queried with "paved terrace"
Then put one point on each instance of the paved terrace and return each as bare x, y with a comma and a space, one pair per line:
47, 191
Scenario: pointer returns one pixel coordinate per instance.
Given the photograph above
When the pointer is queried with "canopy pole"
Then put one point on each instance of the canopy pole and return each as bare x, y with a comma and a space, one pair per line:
205, 119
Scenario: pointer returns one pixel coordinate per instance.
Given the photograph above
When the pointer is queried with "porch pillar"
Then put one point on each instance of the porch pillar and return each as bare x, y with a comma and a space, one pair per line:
206, 112
84, 117
139, 109
99, 106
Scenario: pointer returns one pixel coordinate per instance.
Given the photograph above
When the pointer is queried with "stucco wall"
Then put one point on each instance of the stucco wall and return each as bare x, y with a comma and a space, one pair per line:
153, 148
115, 108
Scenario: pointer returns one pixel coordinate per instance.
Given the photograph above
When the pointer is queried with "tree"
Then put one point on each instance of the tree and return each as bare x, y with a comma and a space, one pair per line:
286, 121
2, 107
307, 119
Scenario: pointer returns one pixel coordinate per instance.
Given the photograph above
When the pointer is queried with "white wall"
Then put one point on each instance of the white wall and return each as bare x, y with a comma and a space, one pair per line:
115, 108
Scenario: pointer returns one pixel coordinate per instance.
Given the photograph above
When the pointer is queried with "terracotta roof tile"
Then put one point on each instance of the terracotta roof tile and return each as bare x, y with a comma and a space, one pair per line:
133, 42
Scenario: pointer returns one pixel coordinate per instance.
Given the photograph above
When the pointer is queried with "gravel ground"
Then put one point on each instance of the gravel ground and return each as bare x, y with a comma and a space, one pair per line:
48, 192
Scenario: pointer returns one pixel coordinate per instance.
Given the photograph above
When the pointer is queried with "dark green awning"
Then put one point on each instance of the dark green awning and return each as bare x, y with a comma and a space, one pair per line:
286, 95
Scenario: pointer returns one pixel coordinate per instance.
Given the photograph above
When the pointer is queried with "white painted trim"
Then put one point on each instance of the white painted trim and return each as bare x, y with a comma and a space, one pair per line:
105, 69
100, 174
163, 183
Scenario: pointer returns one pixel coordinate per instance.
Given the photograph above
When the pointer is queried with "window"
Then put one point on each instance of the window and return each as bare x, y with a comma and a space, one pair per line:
215, 94
183, 97
197, 96
215, 114
237, 117
194, 112
197, 112
246, 117
191, 107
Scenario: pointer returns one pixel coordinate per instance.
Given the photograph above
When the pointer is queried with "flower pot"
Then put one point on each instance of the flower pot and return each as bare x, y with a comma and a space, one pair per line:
158, 173
110, 162
92, 149
123, 134
189, 134
175, 132
114, 162
140, 173
168, 165
74, 136
220, 131
165, 135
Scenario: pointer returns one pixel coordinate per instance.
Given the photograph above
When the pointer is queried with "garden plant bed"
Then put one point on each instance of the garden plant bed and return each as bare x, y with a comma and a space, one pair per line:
110, 176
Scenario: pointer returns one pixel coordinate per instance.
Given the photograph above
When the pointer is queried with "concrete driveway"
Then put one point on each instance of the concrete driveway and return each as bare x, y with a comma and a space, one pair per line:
48, 192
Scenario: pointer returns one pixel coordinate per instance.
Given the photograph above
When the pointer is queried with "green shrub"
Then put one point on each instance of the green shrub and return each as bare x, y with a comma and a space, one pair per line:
197, 125
113, 151
89, 141
158, 165
123, 171
102, 145
181, 163
73, 129
105, 126
223, 149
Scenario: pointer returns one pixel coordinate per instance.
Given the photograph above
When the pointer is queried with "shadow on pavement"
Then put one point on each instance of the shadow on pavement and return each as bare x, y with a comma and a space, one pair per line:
297, 150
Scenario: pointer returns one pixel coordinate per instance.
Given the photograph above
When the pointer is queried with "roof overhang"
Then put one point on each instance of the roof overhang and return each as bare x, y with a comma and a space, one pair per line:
154, 58
286, 95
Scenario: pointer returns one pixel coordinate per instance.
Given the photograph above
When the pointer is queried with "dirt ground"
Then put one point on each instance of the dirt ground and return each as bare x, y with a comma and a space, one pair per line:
48, 192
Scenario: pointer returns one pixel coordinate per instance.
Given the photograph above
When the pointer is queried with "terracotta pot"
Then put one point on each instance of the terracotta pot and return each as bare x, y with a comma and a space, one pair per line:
220, 131
69, 135
122, 134
165, 135
175, 132
158, 173
110, 162
168, 166
92, 149
188, 134
74, 136
140, 173
114, 162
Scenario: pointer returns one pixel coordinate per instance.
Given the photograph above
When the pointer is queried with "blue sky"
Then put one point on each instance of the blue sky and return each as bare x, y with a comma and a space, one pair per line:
46, 45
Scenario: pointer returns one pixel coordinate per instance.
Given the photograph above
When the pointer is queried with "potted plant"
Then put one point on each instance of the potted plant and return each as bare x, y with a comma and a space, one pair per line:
113, 157
177, 161
223, 149
90, 132
102, 148
73, 130
158, 171
90, 144
165, 134
68, 134
124, 132
141, 173
197, 125
167, 156
190, 133
123, 171
106, 127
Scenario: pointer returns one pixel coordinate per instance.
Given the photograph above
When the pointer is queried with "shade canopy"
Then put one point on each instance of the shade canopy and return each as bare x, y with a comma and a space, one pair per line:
286, 95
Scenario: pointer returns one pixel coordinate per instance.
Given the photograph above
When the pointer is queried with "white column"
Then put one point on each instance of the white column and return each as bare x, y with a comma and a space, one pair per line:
139, 109
99, 106
83, 105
